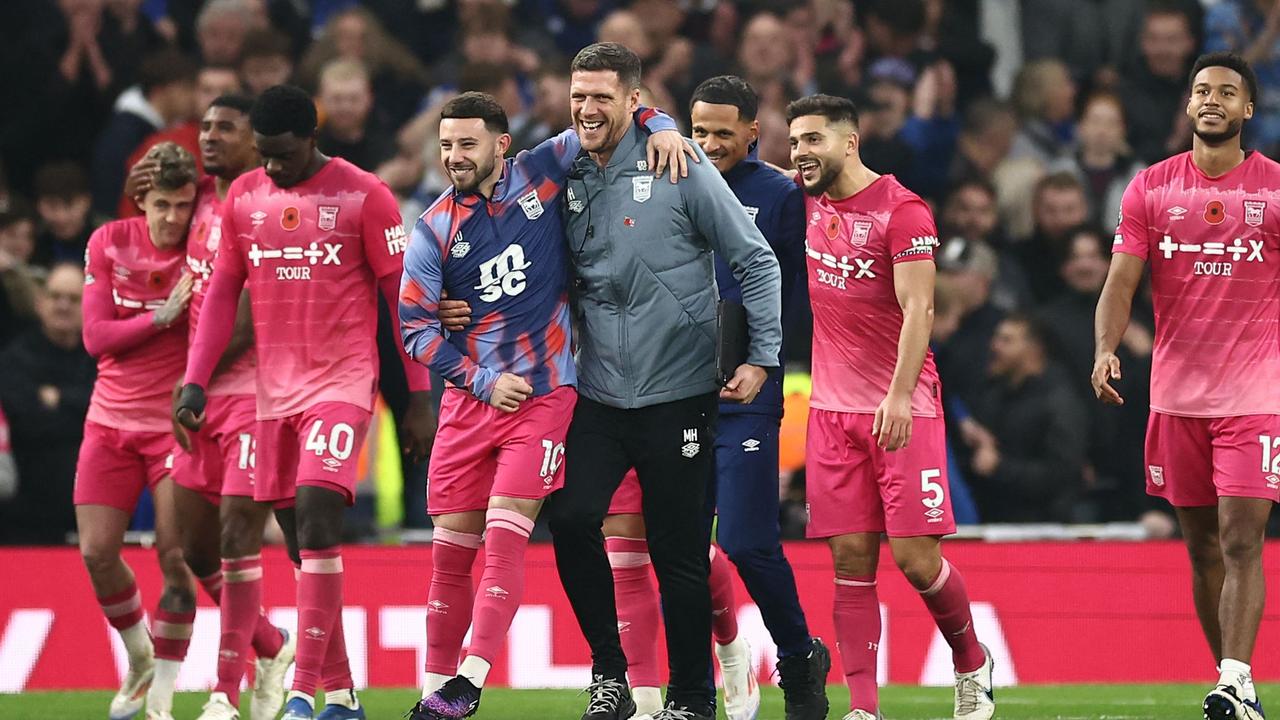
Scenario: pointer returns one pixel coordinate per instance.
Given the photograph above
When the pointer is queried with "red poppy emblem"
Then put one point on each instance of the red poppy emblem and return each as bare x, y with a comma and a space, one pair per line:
833, 227
290, 219
156, 280
1215, 212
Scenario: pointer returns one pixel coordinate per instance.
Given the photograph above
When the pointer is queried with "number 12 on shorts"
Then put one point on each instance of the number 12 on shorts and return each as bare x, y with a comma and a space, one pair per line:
1270, 453
339, 444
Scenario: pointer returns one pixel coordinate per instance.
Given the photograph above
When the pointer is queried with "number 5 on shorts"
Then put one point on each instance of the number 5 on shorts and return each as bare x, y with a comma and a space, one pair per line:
927, 485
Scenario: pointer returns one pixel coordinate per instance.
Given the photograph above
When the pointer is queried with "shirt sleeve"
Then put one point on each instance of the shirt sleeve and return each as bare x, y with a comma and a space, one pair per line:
384, 246
420, 327
911, 232
717, 215
218, 314
788, 242
1131, 227
103, 332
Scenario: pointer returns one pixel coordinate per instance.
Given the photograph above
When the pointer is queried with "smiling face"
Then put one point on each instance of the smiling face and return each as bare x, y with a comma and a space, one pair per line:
722, 133
470, 152
226, 143
285, 157
1219, 105
819, 150
601, 107
168, 214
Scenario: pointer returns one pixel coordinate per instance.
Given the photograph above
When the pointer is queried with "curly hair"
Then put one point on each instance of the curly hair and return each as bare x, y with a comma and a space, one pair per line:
176, 168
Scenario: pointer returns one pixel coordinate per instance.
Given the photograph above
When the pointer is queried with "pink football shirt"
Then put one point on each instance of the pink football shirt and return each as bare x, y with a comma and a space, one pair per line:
202, 248
851, 246
127, 276
311, 256
1212, 244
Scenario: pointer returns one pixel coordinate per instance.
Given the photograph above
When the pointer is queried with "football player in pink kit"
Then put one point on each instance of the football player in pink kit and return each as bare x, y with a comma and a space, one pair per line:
222, 525
875, 451
1206, 221
135, 304
314, 239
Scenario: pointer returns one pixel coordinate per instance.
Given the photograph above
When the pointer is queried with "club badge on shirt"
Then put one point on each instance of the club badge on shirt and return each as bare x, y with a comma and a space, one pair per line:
641, 188
861, 231
328, 217
1253, 210
531, 205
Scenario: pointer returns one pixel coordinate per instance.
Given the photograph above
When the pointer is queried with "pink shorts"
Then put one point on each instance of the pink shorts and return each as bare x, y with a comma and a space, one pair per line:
853, 486
627, 499
1191, 462
482, 451
221, 458
114, 465
319, 446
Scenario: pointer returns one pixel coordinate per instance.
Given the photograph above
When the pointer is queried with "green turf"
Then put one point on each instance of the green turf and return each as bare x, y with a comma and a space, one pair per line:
897, 702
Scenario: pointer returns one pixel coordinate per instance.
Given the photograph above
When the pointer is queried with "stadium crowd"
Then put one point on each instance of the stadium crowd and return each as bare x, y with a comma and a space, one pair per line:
1020, 121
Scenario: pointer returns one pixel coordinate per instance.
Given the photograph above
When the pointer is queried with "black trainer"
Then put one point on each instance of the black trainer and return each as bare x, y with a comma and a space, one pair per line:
676, 711
456, 699
803, 680
610, 700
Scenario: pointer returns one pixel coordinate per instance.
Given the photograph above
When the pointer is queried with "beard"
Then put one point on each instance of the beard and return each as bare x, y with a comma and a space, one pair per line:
826, 177
482, 171
1215, 139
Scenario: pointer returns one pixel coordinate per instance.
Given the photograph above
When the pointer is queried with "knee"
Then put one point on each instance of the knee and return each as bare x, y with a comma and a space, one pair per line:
746, 555
173, 564
852, 560
200, 562
318, 536
919, 570
1241, 549
565, 521
1205, 554
240, 536
99, 559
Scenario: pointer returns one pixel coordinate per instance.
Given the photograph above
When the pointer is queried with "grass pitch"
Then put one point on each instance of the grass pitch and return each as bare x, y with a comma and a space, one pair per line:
1054, 702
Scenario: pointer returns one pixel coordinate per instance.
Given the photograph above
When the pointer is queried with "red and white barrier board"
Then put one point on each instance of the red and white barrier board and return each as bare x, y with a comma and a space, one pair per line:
1051, 613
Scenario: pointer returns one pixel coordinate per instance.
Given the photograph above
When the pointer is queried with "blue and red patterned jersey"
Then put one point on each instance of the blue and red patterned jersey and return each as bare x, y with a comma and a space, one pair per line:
507, 257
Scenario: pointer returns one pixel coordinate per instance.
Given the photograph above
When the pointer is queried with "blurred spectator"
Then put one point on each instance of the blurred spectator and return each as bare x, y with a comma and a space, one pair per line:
8, 469
45, 390
498, 81
932, 129
1058, 206
1093, 37
952, 31
550, 110
968, 269
1102, 161
67, 220
17, 286
985, 138
1113, 486
266, 59
678, 63
1155, 91
212, 81
221, 28
1252, 29
970, 212
766, 60
1028, 447
397, 79
1045, 97
164, 95
570, 23
351, 129
881, 121
624, 27
894, 31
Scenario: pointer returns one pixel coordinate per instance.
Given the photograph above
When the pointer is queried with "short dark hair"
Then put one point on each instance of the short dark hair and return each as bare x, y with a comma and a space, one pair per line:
983, 113
1230, 61
477, 105
609, 56
18, 211
728, 90
65, 180
483, 77
1061, 180
166, 67
263, 42
834, 109
236, 101
1090, 229
284, 109
1037, 331
971, 181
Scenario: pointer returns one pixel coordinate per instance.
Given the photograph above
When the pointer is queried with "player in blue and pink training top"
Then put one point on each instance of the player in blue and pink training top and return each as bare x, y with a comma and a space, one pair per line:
495, 241
876, 449
314, 239
1206, 222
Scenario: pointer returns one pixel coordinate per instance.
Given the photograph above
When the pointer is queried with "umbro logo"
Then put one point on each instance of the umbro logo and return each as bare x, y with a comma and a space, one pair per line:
228, 654
315, 632
438, 606
1177, 212
258, 217
690, 449
460, 247
496, 591
751, 445
623, 625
